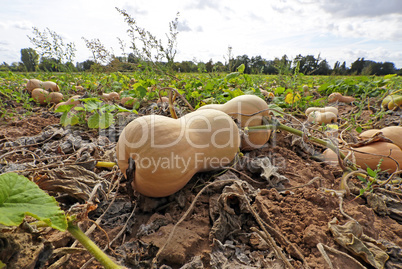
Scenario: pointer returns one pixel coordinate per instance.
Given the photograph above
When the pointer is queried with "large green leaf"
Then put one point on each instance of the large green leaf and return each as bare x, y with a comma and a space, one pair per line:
102, 121
19, 197
241, 68
67, 119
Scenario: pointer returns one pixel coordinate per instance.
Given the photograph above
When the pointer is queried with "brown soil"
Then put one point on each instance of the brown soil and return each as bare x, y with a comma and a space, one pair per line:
28, 126
221, 229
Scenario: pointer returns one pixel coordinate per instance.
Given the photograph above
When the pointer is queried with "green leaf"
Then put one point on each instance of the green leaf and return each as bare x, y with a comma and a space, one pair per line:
64, 108
79, 108
279, 90
389, 76
19, 197
359, 129
93, 121
106, 120
241, 68
65, 119
92, 104
2, 265
362, 179
278, 108
371, 172
102, 121
141, 91
232, 75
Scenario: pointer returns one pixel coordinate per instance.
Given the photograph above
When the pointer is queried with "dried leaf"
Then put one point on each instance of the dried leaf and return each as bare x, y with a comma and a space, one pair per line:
74, 180
228, 211
268, 172
337, 258
351, 237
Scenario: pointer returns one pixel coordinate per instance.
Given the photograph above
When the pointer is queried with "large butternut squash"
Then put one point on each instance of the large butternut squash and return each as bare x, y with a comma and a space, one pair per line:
168, 152
43, 97
368, 160
241, 106
391, 132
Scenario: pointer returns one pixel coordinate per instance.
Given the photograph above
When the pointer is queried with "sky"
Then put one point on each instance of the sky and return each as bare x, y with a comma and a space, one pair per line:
337, 30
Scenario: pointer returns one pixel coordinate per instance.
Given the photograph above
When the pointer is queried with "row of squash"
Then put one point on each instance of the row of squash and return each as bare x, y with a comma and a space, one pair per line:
48, 92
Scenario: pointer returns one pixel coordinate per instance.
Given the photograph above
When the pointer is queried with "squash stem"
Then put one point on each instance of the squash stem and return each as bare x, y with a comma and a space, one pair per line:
95, 251
171, 107
277, 125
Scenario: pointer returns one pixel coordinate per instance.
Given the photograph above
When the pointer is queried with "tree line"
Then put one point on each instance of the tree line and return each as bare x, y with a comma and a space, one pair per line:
308, 65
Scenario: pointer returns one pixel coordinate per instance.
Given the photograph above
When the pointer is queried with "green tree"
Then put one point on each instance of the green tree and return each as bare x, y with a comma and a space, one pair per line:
308, 64
244, 59
388, 68
283, 65
209, 66
219, 67
271, 68
49, 64
17, 67
323, 68
4, 67
357, 66
340, 69
30, 59
84, 66
257, 65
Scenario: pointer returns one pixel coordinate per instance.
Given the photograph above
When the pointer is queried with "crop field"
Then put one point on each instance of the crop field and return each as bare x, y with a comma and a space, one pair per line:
189, 170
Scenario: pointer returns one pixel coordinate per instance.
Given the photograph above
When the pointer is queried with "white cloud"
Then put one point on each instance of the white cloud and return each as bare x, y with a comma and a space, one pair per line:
183, 26
23, 25
203, 4
361, 8
134, 9
18, 24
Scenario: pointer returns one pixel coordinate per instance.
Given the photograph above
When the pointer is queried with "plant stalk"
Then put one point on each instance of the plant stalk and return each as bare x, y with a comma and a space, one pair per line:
276, 125
95, 251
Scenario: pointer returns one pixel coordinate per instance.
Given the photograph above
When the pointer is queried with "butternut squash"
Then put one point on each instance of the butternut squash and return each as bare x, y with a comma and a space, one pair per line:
50, 86
74, 100
128, 101
395, 102
168, 152
239, 108
267, 94
322, 109
367, 160
369, 133
322, 117
392, 101
394, 133
113, 96
338, 97
391, 132
33, 84
43, 97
